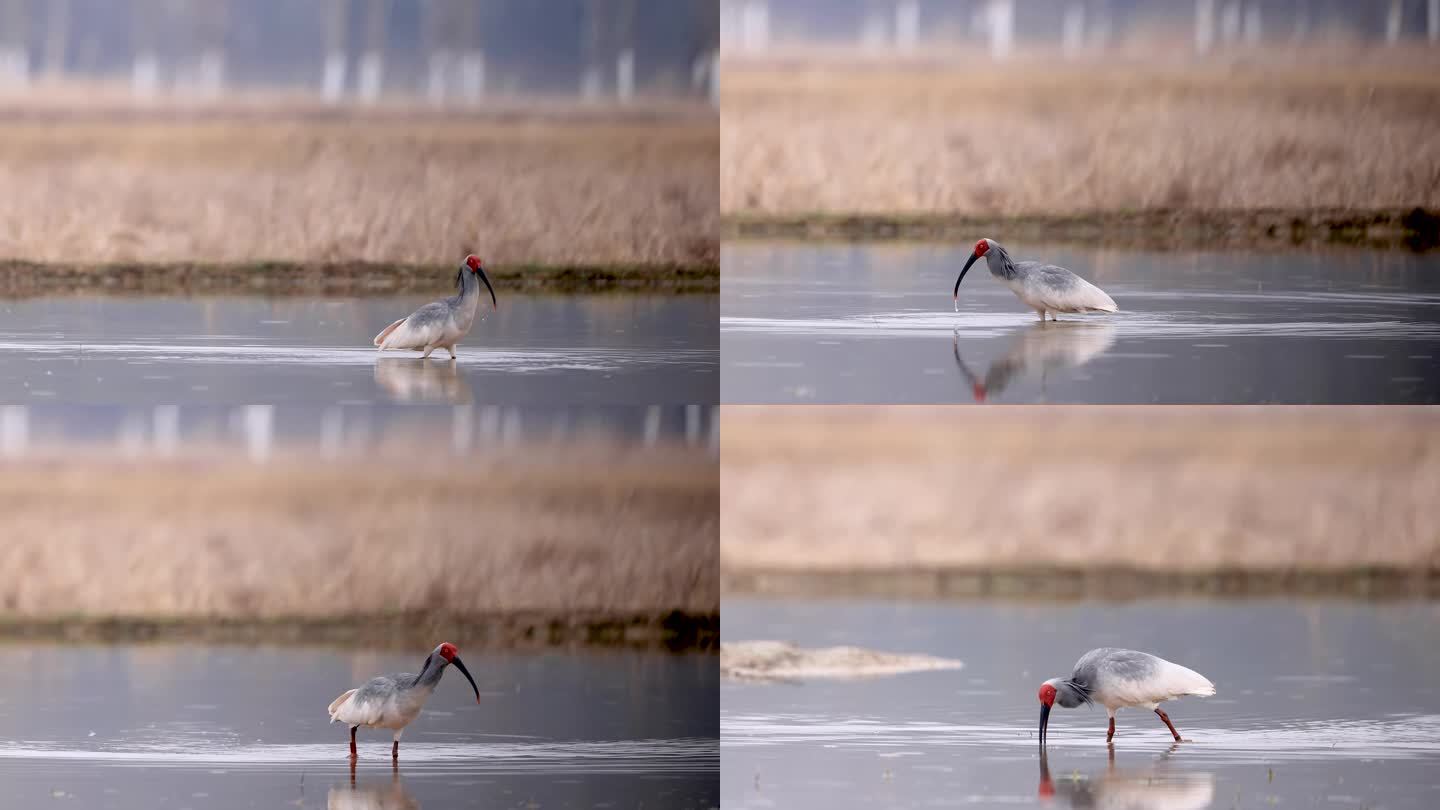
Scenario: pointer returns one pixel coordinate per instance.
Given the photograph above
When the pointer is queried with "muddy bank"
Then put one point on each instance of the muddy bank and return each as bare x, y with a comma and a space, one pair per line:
1158, 229
677, 630
29, 279
785, 661
1072, 584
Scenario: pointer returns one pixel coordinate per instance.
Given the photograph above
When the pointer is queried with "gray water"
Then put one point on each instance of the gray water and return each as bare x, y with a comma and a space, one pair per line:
578, 350
229, 727
875, 324
338, 430
1319, 704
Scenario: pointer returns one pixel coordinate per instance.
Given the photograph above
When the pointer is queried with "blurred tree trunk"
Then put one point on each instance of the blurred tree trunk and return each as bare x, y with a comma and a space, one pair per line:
336, 23
57, 36
15, 48
372, 63
144, 43
211, 20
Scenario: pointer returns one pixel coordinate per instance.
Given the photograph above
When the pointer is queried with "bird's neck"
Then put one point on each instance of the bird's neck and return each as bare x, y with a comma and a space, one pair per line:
431, 674
469, 297
1000, 263
1073, 693
469, 284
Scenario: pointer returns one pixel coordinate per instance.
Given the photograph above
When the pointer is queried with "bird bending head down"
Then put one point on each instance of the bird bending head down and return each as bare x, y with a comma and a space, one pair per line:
981, 248
478, 267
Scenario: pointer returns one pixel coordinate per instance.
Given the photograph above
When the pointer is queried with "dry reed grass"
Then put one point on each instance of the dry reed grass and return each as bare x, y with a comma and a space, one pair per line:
1043, 136
1186, 489
586, 529
540, 189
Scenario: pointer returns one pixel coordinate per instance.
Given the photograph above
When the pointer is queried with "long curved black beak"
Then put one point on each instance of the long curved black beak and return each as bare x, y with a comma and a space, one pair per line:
463, 671
1044, 722
963, 271
486, 279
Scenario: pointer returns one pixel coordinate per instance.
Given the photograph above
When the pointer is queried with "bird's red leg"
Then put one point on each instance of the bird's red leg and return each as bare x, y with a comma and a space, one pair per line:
1110, 735
395, 751
353, 755
1168, 724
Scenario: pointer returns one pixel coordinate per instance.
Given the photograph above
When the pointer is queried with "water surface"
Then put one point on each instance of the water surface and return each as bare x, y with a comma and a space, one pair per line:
875, 323
578, 350
222, 727
1319, 704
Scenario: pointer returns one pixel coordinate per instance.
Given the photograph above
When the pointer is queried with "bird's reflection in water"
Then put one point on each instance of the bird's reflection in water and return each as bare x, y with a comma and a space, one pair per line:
1160, 786
1043, 347
408, 379
379, 795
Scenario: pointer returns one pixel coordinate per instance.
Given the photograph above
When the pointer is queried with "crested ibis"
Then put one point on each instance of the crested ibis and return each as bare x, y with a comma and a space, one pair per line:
441, 324
394, 701
1043, 287
1116, 679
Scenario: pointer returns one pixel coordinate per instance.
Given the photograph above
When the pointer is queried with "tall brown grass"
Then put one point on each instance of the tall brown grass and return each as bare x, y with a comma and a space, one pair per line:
1045, 136
143, 187
1187, 489
587, 528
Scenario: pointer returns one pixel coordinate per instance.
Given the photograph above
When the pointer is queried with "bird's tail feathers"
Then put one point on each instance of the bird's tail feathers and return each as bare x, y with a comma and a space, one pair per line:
380, 338
337, 703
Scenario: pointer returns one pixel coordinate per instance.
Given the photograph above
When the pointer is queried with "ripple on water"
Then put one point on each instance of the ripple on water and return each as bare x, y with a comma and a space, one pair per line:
1396, 737
1174, 325
516, 360
651, 756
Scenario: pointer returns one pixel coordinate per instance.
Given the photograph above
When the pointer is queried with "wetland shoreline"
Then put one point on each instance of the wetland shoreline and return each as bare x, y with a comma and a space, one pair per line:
1075, 584
676, 630
22, 279
1411, 228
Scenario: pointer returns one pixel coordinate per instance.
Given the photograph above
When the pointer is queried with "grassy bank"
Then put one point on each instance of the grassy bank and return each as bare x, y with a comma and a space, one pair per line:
678, 630
240, 186
1161, 229
26, 279
1081, 501
1286, 131
589, 542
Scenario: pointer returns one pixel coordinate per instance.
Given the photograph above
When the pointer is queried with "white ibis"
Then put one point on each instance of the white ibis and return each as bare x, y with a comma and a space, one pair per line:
441, 324
1117, 678
1043, 287
393, 701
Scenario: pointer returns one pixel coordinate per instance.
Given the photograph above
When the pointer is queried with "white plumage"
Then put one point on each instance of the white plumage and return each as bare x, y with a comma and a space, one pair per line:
1167, 682
394, 710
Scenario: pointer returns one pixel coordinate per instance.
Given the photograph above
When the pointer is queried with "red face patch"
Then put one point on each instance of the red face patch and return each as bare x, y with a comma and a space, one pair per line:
473, 262
981, 247
1047, 694
448, 651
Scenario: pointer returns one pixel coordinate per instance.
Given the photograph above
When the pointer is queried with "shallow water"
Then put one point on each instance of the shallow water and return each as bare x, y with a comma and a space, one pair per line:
875, 323
200, 726
534, 349
1319, 704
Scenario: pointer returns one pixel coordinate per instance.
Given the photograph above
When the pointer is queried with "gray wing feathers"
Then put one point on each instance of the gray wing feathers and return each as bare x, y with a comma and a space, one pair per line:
1128, 664
421, 329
